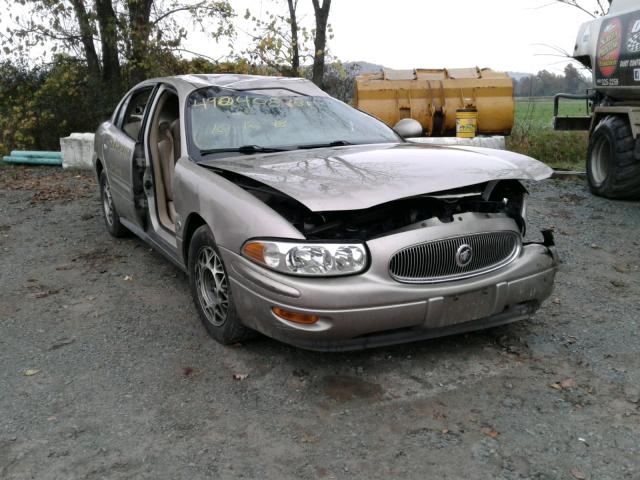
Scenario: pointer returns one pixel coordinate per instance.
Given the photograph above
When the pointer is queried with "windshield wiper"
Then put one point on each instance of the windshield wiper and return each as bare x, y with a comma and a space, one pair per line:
335, 143
249, 149
246, 149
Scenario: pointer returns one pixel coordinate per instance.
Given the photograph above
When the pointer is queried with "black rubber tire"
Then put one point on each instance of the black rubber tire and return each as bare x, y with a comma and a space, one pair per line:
612, 168
231, 330
114, 227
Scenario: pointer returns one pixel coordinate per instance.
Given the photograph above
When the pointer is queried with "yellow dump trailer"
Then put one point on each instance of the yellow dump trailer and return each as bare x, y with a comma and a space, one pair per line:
433, 96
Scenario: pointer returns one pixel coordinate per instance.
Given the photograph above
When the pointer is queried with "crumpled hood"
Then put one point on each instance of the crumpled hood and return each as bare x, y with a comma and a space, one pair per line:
357, 177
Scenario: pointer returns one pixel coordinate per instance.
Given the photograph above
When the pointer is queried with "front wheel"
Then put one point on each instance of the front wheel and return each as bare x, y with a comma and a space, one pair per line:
612, 168
210, 290
111, 218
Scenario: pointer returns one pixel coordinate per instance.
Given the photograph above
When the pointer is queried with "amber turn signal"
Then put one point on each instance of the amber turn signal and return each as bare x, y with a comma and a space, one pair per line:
294, 316
254, 250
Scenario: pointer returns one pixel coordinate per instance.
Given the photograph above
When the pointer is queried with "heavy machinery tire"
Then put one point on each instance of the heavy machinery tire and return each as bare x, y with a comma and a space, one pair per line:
211, 290
612, 169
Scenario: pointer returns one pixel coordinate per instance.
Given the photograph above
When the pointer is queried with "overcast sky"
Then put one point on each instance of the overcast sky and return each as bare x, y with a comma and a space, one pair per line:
501, 34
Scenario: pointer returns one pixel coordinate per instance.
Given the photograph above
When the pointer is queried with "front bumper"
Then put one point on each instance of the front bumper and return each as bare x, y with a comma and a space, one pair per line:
371, 309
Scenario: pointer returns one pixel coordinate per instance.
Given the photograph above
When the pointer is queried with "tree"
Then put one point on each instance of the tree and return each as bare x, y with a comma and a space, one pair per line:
129, 32
108, 25
320, 40
279, 41
295, 42
87, 33
573, 81
340, 80
545, 83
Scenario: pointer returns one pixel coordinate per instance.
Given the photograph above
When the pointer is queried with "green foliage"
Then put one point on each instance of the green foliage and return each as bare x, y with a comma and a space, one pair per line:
533, 134
340, 80
273, 43
168, 64
17, 85
38, 105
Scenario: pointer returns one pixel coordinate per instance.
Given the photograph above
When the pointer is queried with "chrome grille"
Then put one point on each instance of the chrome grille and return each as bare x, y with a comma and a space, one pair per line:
436, 261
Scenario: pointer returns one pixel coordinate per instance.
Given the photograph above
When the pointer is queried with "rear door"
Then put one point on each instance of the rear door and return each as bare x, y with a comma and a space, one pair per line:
121, 150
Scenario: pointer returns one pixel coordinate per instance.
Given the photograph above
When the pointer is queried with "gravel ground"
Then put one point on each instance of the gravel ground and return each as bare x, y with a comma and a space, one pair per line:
107, 372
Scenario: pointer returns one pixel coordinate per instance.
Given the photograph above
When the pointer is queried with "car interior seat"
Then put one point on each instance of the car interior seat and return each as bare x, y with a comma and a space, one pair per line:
164, 146
166, 151
175, 131
132, 129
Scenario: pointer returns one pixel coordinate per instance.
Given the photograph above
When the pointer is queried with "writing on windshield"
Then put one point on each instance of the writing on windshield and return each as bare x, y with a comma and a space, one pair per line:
248, 102
227, 120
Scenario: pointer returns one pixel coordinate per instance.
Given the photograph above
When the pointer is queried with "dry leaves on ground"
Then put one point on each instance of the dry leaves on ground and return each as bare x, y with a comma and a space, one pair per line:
578, 474
490, 432
564, 384
50, 184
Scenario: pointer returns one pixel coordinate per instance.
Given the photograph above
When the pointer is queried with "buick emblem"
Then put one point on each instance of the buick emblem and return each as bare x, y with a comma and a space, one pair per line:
464, 255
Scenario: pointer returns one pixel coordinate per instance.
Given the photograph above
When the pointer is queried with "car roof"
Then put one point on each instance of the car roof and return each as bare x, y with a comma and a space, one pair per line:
185, 84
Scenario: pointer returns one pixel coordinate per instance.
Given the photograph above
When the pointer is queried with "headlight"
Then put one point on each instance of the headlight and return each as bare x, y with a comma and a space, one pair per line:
309, 259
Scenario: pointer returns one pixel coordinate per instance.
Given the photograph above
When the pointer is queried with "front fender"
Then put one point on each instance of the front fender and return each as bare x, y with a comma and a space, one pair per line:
233, 214
98, 153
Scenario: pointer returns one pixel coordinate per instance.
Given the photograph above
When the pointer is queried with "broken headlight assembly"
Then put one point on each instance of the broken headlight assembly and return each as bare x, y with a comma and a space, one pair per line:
308, 259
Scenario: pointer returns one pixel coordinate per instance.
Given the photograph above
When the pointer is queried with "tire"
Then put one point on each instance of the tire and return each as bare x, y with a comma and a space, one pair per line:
612, 169
210, 290
111, 218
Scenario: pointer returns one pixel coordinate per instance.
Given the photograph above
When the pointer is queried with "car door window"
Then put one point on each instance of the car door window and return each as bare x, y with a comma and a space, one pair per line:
131, 121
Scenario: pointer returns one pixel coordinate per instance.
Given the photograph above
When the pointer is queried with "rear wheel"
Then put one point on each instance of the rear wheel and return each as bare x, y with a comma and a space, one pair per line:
111, 218
612, 168
210, 290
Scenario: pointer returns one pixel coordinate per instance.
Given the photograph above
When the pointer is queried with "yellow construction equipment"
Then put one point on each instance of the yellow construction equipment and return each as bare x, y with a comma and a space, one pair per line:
434, 98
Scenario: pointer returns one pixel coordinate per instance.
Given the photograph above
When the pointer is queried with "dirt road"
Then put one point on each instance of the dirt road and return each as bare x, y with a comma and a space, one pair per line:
106, 372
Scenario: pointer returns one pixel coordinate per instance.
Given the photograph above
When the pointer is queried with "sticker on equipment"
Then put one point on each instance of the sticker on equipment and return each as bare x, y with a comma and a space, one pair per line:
636, 74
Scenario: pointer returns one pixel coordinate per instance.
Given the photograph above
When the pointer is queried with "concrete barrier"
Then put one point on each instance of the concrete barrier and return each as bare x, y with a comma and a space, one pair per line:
77, 151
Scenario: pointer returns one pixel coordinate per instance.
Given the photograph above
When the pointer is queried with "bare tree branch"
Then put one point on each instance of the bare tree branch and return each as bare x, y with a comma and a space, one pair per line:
603, 9
181, 8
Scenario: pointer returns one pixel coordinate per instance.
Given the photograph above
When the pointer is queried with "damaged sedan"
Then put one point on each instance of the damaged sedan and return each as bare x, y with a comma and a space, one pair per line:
299, 217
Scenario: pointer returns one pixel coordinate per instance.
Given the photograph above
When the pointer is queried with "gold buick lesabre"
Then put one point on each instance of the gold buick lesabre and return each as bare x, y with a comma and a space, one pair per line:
300, 217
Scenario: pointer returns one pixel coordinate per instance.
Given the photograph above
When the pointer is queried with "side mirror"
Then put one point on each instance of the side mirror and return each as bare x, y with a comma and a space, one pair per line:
408, 127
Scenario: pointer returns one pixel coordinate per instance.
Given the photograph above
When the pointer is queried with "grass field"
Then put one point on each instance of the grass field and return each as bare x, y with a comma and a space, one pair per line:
533, 133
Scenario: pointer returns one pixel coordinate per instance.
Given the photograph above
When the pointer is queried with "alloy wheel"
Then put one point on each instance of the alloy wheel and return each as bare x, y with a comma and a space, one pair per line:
212, 286
107, 203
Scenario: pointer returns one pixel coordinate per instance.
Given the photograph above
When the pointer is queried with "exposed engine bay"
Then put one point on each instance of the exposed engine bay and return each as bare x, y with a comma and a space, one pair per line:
495, 198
